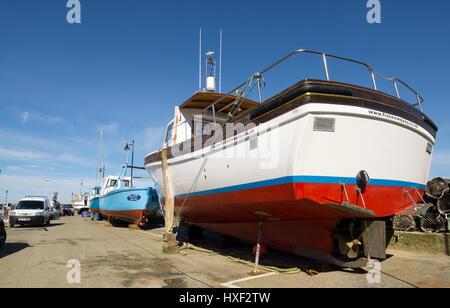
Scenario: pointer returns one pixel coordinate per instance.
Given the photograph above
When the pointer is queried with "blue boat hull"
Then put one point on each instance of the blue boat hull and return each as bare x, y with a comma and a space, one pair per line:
94, 205
133, 205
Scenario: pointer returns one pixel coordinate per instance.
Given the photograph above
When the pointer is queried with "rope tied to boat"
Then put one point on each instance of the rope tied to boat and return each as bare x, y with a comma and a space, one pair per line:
268, 268
260, 82
189, 246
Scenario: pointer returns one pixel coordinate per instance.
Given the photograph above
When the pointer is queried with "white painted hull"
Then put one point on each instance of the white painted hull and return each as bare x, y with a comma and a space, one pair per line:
389, 149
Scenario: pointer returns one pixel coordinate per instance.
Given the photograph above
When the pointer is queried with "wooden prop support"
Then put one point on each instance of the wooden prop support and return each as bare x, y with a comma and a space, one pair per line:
170, 244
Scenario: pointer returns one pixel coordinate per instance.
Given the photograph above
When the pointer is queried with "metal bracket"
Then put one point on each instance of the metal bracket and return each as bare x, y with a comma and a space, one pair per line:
416, 208
358, 191
342, 184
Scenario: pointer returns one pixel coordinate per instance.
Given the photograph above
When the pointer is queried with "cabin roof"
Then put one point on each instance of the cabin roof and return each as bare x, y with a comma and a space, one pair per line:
201, 100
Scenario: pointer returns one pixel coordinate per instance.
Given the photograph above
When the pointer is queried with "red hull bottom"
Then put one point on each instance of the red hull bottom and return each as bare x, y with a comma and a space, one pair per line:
282, 235
95, 211
137, 217
306, 213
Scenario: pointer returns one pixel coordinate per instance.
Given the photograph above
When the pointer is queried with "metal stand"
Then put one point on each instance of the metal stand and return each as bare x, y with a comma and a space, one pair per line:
262, 214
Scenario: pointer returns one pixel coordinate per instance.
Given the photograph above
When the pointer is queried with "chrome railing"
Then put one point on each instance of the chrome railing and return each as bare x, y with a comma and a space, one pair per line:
325, 56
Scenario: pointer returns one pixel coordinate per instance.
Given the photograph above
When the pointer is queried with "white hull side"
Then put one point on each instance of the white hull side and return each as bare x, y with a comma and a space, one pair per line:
387, 149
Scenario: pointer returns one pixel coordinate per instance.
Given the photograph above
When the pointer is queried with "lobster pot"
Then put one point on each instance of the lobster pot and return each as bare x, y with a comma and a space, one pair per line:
436, 188
432, 222
443, 204
404, 223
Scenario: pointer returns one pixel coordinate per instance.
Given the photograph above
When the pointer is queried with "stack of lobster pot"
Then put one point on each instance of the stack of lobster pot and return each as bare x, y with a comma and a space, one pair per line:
443, 203
434, 211
435, 218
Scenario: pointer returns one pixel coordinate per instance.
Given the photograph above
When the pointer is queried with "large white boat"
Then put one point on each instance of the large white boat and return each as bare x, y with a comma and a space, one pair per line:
80, 201
327, 163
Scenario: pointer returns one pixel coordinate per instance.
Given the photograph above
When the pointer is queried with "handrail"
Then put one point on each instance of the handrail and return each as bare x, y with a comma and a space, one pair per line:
372, 72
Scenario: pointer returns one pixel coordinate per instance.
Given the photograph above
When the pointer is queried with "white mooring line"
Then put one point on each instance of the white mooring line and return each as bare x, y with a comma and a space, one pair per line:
230, 284
149, 233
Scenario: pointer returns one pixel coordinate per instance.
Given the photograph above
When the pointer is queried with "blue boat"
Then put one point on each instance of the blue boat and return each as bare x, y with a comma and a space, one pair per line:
94, 203
118, 200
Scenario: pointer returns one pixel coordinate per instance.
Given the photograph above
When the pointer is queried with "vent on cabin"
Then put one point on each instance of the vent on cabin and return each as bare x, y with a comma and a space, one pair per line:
324, 124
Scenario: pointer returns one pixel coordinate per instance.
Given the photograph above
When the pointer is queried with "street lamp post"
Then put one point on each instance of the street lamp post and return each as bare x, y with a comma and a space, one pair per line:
127, 148
132, 163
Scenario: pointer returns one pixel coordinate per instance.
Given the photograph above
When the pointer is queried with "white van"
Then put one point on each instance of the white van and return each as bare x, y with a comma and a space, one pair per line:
31, 210
2, 231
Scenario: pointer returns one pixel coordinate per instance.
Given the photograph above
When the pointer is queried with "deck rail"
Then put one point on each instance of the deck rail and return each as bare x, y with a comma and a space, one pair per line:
325, 56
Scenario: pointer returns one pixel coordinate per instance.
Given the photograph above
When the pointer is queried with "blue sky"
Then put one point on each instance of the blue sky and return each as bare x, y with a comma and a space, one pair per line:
129, 63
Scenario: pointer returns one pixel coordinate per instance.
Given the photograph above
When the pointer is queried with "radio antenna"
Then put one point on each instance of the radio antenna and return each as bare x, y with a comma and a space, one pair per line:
200, 63
220, 63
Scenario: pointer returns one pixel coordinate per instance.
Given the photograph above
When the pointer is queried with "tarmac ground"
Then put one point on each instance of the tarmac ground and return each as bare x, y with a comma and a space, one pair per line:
107, 256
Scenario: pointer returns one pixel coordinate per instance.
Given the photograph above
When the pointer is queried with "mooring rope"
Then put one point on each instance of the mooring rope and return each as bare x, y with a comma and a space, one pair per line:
269, 268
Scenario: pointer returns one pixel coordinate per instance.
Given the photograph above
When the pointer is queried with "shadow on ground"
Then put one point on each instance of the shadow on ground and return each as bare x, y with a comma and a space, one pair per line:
153, 223
28, 227
11, 248
243, 251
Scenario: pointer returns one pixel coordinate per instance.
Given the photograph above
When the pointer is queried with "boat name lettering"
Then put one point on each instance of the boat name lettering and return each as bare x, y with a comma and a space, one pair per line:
391, 117
134, 197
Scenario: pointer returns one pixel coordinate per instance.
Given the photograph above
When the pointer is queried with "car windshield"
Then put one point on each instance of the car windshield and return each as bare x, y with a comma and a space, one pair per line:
30, 205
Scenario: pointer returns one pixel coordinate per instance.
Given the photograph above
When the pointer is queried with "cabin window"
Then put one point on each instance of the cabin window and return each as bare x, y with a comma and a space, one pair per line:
429, 148
112, 183
126, 183
169, 132
201, 128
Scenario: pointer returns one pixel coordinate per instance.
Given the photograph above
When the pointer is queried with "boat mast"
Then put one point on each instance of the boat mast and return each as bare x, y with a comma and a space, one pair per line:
220, 63
99, 158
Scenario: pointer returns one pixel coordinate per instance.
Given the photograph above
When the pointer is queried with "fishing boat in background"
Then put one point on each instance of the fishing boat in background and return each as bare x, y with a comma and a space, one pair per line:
80, 201
117, 199
324, 165
94, 203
